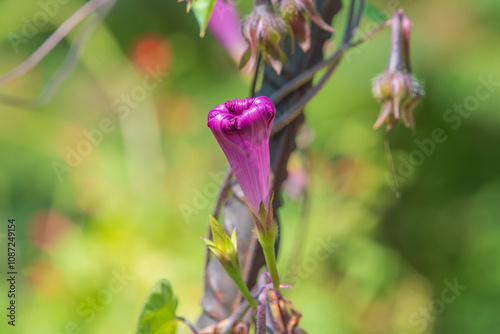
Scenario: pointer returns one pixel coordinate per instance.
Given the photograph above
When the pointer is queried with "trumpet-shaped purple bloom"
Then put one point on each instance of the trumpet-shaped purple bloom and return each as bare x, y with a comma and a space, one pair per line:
242, 129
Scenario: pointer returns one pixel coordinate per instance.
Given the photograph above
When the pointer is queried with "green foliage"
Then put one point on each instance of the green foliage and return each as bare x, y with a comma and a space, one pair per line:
202, 10
158, 312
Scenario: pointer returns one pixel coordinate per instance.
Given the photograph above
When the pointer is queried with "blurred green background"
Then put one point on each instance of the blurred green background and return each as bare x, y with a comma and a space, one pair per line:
93, 237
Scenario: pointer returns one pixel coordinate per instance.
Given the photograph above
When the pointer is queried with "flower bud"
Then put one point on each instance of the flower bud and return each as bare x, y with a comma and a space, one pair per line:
264, 31
242, 129
224, 248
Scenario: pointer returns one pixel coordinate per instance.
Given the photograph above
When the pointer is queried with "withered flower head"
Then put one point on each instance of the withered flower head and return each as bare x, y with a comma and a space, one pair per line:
397, 88
296, 13
264, 31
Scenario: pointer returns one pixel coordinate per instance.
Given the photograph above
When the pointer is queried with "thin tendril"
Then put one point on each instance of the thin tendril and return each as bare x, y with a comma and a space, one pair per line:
391, 164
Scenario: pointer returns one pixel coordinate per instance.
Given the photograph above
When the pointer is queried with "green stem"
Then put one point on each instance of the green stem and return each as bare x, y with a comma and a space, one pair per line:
268, 248
238, 279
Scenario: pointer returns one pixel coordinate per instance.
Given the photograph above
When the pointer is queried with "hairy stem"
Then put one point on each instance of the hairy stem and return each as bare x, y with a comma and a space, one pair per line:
396, 62
270, 256
238, 279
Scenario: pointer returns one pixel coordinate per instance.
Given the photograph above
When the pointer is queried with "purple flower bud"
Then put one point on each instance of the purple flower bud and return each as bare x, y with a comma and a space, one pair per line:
264, 32
242, 129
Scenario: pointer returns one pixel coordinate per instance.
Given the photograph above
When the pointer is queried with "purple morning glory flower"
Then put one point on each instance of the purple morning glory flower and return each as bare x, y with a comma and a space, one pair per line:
242, 129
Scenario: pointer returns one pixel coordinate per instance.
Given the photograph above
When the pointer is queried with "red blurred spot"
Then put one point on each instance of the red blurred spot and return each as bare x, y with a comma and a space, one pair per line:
152, 53
47, 227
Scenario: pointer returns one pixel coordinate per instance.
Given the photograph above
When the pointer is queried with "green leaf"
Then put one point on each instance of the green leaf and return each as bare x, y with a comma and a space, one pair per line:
158, 311
374, 13
202, 10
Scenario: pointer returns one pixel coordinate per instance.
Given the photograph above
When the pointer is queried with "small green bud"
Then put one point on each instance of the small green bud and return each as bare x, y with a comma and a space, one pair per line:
224, 248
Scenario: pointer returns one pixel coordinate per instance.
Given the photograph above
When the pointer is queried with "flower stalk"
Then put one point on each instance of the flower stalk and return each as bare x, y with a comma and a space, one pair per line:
270, 256
238, 280
267, 231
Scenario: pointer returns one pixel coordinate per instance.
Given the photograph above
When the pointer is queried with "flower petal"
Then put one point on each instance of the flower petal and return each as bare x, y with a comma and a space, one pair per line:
242, 129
